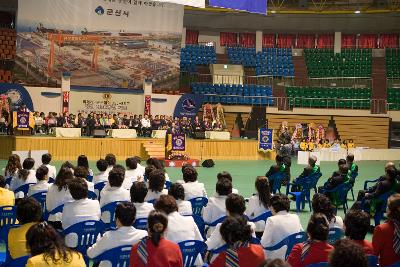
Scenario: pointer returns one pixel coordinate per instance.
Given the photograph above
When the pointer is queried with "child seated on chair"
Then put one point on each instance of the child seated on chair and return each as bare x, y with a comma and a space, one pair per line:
42, 185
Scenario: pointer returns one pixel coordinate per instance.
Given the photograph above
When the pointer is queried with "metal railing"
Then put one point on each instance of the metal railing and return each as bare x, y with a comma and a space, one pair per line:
350, 82
393, 82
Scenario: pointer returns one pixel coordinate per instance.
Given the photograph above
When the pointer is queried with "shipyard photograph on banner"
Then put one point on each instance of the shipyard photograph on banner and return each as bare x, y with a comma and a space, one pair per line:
100, 43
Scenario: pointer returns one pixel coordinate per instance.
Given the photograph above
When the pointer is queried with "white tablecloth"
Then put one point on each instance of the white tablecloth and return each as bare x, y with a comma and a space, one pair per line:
68, 132
218, 135
123, 133
158, 133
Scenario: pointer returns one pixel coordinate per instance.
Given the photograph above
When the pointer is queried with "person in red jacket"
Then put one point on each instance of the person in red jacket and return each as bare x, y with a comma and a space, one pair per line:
357, 225
316, 249
386, 238
237, 234
155, 250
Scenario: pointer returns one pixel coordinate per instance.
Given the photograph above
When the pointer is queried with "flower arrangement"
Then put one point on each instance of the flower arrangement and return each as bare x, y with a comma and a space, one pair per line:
178, 156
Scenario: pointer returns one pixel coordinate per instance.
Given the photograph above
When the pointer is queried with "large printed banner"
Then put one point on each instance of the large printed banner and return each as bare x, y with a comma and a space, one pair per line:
178, 142
253, 6
265, 139
188, 105
102, 43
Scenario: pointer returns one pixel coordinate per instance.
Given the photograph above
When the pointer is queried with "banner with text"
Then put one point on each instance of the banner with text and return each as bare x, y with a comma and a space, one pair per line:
102, 43
178, 142
22, 120
265, 139
188, 105
253, 6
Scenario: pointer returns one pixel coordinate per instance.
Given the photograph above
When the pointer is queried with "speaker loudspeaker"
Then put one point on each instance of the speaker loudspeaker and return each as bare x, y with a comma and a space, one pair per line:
99, 133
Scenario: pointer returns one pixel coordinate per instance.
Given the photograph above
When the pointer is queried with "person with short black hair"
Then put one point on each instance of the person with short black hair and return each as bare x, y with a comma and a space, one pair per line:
357, 225
159, 165
316, 249
353, 168
281, 225
111, 160
348, 254
27, 175
184, 207
216, 208
42, 185
46, 159
138, 194
193, 188
6, 196
312, 168
336, 179
322, 204
156, 185
29, 212
83, 173
226, 175
133, 173
102, 176
124, 235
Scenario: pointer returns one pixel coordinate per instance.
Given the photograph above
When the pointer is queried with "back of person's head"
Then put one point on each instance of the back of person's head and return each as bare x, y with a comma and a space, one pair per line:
126, 213
348, 254
235, 229
177, 191
341, 162
223, 187
149, 169
63, 177
157, 223
344, 169
111, 159
322, 204
2, 181
68, 164
189, 174
157, 180
312, 160
138, 159
278, 159
83, 161
13, 164
131, 163
357, 224
41, 173
116, 177
318, 227
224, 175
235, 204
81, 172
350, 158
138, 192
23, 174
280, 202
28, 210
28, 163
274, 263
158, 164
119, 167
263, 191
78, 188
46, 158
394, 207
185, 165
102, 165
391, 173
166, 204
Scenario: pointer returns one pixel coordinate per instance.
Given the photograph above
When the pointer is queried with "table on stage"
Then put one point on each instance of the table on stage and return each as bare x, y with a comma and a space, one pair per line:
158, 133
215, 135
123, 133
68, 132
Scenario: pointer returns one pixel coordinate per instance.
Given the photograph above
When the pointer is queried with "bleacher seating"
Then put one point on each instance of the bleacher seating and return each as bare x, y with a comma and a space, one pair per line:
393, 63
325, 97
349, 63
7, 53
394, 98
248, 94
193, 55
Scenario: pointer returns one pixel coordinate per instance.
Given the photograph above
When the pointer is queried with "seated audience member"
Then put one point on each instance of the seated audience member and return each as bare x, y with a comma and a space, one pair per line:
138, 193
216, 208
387, 235
159, 165
275, 168
126, 234
83, 162
316, 249
353, 168
155, 249
13, 166
156, 185
47, 248
347, 254
274, 263
312, 168
46, 159
29, 212
6, 196
139, 166
184, 207
240, 252
27, 175
191, 185
259, 203
102, 176
133, 173
356, 228
59, 194
226, 175
111, 160
42, 185
82, 172
337, 178
281, 225
322, 204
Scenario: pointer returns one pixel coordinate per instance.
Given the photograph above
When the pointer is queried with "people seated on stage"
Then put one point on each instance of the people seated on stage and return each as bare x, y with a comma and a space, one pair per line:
236, 233
124, 235
138, 193
91, 124
29, 212
259, 203
353, 168
279, 226
226, 175
155, 249
216, 208
46, 159
322, 204
6, 196
102, 176
311, 145
347, 254
13, 166
186, 126
217, 125
155, 123
304, 144
207, 124
47, 248
197, 125
193, 188
316, 249
27, 175
184, 207
386, 236
146, 126
357, 225
156, 185
42, 184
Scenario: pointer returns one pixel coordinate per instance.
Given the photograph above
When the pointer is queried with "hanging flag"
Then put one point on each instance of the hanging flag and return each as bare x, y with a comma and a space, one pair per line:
265, 139
253, 6
195, 3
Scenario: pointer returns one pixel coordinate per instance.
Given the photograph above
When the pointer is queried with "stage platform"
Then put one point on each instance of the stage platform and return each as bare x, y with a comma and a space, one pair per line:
179, 163
95, 148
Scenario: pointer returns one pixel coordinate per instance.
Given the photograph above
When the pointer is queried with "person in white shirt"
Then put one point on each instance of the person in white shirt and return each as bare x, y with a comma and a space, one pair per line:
322, 204
184, 207
226, 175
191, 186
126, 234
259, 203
156, 185
139, 166
83, 173
146, 125
42, 185
46, 159
111, 160
13, 166
157, 164
216, 208
83, 162
133, 173
138, 193
25, 176
281, 225
80, 210
102, 176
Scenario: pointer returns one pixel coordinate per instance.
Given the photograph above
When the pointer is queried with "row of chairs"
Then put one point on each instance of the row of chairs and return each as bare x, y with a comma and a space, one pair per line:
233, 89
239, 100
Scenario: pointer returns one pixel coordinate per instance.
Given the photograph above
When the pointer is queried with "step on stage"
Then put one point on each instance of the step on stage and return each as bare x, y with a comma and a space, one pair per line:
180, 163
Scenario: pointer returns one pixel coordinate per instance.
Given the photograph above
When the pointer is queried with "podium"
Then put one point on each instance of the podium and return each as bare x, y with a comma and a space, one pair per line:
23, 122
175, 148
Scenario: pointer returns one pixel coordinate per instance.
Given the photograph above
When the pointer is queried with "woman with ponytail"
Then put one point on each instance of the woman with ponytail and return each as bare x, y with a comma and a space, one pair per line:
155, 250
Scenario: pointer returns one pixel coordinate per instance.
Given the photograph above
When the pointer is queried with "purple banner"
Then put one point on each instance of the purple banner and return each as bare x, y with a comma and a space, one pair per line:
178, 142
253, 6
22, 120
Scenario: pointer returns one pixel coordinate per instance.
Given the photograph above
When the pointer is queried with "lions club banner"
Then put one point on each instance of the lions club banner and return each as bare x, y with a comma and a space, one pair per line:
188, 105
178, 142
265, 139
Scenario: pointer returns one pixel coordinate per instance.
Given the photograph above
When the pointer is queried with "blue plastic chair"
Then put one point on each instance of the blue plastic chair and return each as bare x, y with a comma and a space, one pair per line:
370, 182
200, 224
340, 195
352, 180
140, 223
8, 218
276, 182
118, 256
8, 180
92, 195
198, 203
262, 217
89, 178
18, 262
110, 208
168, 184
190, 250
373, 261
41, 198
335, 234
381, 209
23, 188
98, 187
321, 264
52, 212
305, 184
289, 241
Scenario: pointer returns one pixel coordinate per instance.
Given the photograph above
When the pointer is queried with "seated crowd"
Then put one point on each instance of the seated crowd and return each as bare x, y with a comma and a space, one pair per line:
233, 235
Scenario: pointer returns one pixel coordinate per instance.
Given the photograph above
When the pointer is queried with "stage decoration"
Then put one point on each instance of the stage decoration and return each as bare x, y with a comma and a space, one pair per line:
320, 134
23, 120
297, 135
253, 6
311, 132
220, 122
330, 135
265, 139
208, 112
178, 156
147, 104
188, 105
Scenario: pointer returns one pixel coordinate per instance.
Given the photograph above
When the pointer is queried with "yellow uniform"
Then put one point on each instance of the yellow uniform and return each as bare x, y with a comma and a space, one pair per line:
17, 241
303, 146
39, 261
350, 145
311, 146
6, 197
